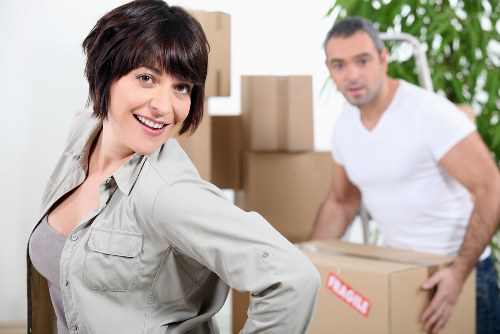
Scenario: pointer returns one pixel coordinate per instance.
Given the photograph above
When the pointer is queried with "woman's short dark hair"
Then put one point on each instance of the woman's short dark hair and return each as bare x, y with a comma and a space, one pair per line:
146, 33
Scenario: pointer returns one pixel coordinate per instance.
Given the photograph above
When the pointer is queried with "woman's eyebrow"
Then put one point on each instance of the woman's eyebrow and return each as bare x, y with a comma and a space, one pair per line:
153, 69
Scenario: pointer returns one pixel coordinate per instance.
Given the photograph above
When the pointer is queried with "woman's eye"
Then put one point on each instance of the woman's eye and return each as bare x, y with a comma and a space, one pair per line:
145, 78
185, 89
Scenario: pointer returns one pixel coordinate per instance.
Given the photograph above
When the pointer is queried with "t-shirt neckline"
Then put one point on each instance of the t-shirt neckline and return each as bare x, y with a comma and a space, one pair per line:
390, 108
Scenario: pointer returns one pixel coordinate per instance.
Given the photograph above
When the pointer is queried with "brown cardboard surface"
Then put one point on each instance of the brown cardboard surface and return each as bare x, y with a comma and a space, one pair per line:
402, 256
277, 113
13, 327
198, 146
217, 27
240, 303
405, 286
390, 285
286, 189
227, 150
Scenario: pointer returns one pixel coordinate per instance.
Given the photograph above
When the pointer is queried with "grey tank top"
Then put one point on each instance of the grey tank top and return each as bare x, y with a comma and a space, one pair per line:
45, 249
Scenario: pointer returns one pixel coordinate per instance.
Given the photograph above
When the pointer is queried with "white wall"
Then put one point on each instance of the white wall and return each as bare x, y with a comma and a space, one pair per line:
42, 86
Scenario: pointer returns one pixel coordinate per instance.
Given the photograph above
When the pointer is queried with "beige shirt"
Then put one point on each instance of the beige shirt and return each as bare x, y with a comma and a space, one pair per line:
163, 248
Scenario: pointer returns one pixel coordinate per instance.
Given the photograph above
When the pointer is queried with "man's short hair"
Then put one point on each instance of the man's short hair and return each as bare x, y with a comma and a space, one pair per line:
352, 25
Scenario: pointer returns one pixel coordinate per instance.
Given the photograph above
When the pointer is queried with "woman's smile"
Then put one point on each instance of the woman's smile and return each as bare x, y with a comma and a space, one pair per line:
151, 127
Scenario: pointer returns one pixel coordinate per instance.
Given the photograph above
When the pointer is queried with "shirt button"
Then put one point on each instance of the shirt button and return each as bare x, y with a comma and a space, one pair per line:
74, 237
265, 254
66, 282
73, 327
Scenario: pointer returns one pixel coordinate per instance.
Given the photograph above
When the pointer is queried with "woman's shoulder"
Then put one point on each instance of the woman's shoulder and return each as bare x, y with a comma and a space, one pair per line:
169, 176
170, 163
83, 123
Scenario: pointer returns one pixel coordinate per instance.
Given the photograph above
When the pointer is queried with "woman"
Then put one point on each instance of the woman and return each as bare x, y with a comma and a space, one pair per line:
130, 239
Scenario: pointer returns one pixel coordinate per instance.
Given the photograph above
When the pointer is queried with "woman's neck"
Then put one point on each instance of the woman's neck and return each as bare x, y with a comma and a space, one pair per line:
103, 159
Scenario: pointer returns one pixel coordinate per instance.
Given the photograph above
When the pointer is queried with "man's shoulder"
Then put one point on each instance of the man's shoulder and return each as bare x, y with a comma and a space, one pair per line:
421, 95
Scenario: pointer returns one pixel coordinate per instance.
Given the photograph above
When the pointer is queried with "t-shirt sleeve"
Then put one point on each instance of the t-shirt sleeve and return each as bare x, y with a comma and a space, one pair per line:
442, 126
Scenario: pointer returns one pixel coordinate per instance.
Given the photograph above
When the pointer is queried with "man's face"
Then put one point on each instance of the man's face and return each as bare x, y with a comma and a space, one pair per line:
356, 67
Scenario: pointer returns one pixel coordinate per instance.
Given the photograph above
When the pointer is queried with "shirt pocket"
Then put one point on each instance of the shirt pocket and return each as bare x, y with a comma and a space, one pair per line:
113, 260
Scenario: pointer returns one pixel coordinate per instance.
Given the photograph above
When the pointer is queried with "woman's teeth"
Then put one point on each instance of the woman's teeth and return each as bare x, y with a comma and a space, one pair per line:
149, 123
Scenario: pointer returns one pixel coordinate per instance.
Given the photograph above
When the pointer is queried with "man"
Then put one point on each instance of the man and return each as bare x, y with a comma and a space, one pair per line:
420, 167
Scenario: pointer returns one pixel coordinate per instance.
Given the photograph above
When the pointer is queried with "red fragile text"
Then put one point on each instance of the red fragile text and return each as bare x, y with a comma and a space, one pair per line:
348, 294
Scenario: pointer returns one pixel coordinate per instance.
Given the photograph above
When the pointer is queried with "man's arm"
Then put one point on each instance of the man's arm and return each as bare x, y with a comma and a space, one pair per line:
338, 209
470, 163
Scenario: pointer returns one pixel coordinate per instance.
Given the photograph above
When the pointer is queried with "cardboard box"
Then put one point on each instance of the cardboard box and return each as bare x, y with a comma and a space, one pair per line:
227, 151
13, 327
240, 301
369, 289
277, 113
287, 189
198, 146
217, 27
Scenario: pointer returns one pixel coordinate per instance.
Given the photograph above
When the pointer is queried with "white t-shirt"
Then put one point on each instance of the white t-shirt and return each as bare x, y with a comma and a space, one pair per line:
416, 203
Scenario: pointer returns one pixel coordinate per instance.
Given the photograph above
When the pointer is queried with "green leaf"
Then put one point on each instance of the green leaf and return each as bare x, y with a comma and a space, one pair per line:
495, 142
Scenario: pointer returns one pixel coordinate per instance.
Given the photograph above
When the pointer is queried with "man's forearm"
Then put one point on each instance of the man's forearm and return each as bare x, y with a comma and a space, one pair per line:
332, 220
483, 224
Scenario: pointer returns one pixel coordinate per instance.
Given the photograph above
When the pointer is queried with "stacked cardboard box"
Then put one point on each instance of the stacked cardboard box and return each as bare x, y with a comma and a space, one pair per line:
368, 289
277, 113
268, 153
217, 27
227, 150
267, 156
287, 188
198, 146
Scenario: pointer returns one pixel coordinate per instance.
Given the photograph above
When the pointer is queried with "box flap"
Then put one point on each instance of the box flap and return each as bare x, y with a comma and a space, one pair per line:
375, 252
357, 263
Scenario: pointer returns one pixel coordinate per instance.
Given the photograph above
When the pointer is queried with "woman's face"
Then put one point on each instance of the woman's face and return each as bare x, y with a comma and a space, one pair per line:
147, 106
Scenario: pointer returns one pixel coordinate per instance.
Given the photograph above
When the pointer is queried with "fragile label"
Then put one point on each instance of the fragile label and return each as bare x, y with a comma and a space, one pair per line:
346, 293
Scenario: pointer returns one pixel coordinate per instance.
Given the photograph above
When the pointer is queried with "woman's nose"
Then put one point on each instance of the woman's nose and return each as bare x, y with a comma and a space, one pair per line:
161, 101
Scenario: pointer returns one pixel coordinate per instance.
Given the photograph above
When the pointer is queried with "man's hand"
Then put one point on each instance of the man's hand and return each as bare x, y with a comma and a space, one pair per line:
448, 283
